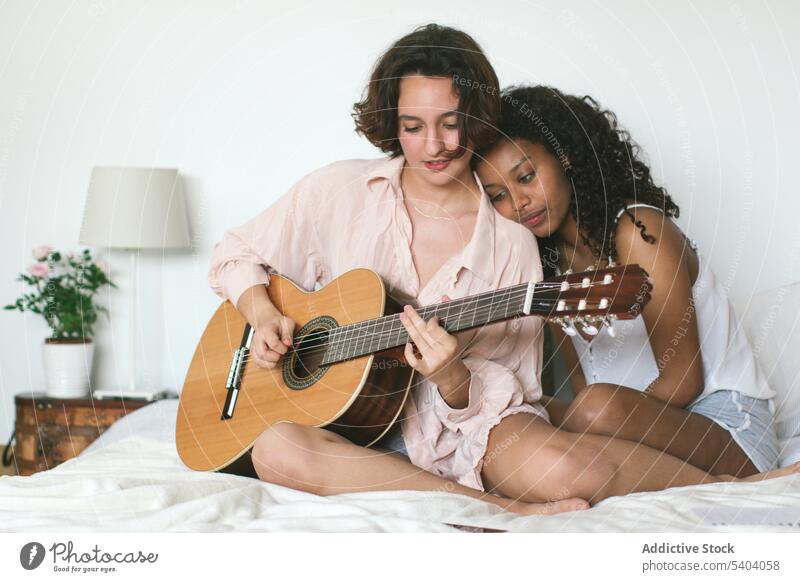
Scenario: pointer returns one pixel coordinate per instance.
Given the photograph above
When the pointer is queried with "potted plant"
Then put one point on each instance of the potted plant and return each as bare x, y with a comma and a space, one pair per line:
64, 290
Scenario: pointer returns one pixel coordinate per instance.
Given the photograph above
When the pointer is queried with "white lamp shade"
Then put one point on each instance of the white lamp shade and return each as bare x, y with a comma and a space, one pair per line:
135, 208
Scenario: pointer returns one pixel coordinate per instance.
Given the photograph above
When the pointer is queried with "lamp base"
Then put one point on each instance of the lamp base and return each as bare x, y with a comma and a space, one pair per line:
149, 395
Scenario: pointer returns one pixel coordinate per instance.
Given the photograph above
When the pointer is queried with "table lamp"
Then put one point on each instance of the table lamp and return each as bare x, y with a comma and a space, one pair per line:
134, 208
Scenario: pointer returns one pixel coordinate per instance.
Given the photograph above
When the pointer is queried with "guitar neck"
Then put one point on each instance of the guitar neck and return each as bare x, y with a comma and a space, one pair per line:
376, 335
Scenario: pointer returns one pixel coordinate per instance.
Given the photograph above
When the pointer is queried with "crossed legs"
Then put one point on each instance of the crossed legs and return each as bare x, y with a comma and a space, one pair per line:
623, 413
322, 462
544, 470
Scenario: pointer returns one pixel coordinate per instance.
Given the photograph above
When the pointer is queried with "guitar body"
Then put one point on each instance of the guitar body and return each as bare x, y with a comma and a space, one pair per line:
346, 370
359, 399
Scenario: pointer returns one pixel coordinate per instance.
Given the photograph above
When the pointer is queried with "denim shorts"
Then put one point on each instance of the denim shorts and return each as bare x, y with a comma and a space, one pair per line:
750, 421
393, 440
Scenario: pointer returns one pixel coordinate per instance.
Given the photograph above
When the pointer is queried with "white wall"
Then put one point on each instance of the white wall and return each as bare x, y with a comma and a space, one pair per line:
246, 97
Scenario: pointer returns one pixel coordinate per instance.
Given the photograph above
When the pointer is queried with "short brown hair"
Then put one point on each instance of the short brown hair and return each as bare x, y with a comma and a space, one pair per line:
432, 51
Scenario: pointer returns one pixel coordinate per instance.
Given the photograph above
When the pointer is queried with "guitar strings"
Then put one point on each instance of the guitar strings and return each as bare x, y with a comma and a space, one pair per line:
463, 301
371, 325
384, 333
370, 339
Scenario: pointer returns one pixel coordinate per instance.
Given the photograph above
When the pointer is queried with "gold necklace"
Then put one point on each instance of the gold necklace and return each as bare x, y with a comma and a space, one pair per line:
598, 264
414, 206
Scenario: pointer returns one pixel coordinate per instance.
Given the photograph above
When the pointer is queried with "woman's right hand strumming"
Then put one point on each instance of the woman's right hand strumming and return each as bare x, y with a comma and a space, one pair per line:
273, 330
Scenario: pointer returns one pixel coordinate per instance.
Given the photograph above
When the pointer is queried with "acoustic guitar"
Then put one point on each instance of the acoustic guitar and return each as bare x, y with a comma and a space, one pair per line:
346, 370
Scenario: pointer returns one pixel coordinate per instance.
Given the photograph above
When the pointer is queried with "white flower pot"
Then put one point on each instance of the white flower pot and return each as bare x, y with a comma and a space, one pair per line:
68, 367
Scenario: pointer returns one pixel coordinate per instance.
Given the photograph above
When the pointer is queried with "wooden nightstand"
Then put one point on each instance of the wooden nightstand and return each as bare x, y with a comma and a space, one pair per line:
49, 431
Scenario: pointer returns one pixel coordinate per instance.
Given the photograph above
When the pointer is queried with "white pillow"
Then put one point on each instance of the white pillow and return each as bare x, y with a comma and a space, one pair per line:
772, 322
155, 421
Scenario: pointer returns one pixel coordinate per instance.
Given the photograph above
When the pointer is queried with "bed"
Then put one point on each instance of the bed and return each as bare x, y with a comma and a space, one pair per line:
131, 480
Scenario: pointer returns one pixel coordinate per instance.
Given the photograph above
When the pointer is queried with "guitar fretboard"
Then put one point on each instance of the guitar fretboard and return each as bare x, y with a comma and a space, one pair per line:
383, 333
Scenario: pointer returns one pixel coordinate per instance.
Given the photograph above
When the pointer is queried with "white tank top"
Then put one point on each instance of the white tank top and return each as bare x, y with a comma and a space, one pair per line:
628, 360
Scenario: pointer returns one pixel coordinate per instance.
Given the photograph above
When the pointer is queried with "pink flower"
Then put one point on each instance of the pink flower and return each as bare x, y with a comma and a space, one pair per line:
38, 270
41, 253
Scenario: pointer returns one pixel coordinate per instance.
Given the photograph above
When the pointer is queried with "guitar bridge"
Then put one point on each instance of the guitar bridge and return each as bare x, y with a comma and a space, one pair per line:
234, 382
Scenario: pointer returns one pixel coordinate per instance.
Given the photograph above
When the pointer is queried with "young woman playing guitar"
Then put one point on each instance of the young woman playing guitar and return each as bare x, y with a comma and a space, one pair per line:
473, 424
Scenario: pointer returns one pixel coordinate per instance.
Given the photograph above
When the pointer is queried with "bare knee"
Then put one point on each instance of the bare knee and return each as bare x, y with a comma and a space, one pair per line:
600, 409
548, 464
572, 471
288, 454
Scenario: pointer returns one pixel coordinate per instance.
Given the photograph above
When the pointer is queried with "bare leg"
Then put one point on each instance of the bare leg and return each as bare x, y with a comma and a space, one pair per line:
624, 413
790, 470
545, 462
322, 462
556, 409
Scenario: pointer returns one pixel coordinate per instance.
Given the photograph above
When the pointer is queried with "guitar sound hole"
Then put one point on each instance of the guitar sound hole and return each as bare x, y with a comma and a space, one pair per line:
310, 353
306, 365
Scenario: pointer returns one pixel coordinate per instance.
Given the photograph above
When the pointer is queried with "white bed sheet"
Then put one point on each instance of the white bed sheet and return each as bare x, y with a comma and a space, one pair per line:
133, 480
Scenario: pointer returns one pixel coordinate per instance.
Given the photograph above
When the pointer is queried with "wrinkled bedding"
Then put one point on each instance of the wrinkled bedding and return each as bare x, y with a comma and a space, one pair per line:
132, 480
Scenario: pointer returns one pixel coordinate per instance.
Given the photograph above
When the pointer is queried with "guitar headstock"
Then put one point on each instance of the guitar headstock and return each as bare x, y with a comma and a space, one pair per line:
593, 298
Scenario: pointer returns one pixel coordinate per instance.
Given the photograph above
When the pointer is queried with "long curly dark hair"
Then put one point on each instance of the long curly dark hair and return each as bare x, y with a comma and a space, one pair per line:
598, 156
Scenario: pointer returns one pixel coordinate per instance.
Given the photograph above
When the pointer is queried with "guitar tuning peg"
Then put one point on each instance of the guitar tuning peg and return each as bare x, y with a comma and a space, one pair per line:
569, 328
589, 329
609, 322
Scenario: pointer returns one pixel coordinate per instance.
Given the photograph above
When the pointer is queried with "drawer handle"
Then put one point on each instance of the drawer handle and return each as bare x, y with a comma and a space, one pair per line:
8, 452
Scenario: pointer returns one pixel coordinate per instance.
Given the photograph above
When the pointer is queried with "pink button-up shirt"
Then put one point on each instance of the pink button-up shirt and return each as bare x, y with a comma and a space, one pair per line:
351, 215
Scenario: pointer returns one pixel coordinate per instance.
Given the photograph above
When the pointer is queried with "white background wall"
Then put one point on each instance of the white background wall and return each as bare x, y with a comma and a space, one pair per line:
246, 97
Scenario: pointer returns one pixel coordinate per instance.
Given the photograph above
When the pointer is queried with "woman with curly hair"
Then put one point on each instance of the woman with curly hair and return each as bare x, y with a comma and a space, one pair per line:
680, 377
473, 423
